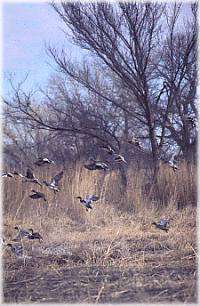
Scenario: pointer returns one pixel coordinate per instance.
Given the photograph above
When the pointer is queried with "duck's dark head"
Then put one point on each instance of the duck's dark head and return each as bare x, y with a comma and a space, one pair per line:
16, 227
79, 197
154, 223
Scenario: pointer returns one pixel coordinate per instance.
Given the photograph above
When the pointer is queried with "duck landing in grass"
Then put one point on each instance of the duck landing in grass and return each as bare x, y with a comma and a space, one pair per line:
43, 161
21, 233
88, 201
54, 182
97, 165
37, 195
34, 236
163, 225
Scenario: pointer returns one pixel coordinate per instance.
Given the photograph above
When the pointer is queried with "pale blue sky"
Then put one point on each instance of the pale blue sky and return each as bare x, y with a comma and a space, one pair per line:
26, 29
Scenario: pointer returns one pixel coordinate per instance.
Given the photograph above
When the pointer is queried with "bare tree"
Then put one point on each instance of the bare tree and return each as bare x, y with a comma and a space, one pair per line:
139, 82
123, 37
178, 70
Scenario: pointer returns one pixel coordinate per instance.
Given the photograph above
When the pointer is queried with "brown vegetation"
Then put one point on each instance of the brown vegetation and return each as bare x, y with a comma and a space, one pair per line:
111, 254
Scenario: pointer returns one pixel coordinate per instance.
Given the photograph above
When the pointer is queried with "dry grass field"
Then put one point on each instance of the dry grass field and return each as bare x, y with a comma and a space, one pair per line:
112, 253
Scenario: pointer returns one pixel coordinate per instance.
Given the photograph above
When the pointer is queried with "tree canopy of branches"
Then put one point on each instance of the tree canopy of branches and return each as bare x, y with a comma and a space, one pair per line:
142, 80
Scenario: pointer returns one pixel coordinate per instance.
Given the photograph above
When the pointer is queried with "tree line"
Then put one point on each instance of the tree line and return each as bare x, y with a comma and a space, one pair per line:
137, 80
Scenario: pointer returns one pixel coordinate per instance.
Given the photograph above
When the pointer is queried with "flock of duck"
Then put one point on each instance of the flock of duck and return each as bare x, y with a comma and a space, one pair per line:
53, 185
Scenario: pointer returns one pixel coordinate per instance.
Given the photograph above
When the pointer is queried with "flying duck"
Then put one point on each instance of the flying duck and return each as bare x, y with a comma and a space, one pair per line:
18, 174
30, 177
88, 201
192, 120
163, 225
119, 158
108, 149
43, 161
16, 249
173, 165
173, 162
7, 174
135, 141
97, 165
37, 195
54, 182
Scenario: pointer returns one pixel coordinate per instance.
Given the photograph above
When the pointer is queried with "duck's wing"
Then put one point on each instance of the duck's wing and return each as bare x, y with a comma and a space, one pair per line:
95, 198
48, 161
39, 161
21, 233
108, 148
34, 196
7, 174
55, 180
41, 194
163, 222
37, 195
90, 166
4, 174
18, 174
25, 232
29, 174
18, 250
100, 164
90, 198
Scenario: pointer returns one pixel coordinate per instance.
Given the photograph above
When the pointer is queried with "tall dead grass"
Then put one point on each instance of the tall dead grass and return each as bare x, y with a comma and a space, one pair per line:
118, 232
174, 190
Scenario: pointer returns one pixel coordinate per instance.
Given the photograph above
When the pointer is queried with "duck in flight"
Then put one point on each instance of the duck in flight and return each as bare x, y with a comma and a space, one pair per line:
43, 161
134, 141
87, 201
172, 163
38, 195
117, 157
7, 174
29, 177
108, 149
97, 165
53, 185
